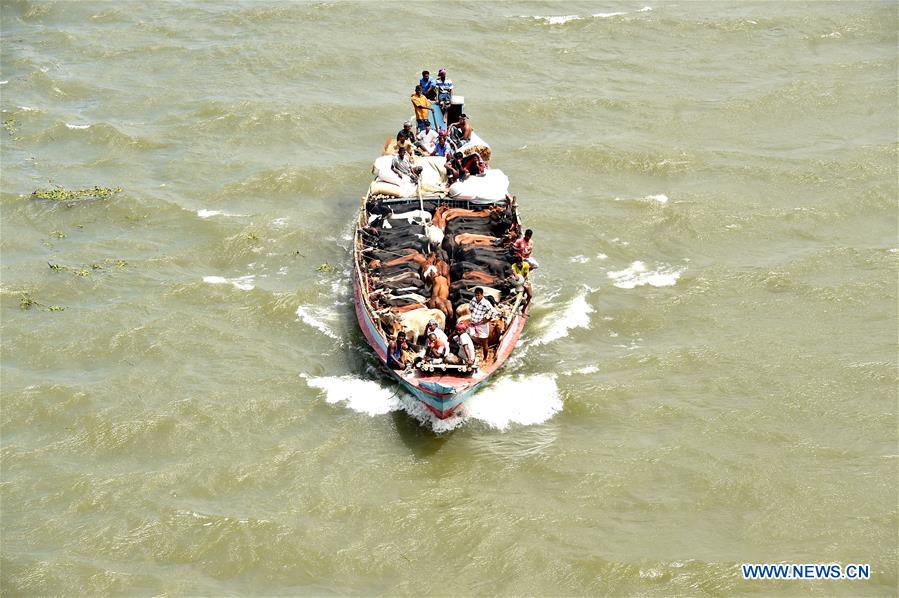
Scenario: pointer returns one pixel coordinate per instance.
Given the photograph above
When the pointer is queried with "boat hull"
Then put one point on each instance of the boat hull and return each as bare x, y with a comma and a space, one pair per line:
443, 395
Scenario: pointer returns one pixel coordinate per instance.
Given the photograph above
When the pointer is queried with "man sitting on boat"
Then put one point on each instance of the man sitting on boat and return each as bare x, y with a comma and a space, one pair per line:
482, 311
442, 147
460, 132
397, 350
455, 170
465, 353
437, 348
427, 139
520, 272
403, 166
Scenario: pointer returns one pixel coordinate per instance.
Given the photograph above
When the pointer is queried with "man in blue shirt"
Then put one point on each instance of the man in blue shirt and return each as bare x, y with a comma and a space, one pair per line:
442, 147
427, 86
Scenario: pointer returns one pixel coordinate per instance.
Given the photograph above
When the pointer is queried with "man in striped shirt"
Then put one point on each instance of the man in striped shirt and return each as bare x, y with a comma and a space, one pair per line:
482, 311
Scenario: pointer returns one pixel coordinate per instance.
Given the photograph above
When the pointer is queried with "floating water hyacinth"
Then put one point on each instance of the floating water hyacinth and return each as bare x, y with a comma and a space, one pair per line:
62, 194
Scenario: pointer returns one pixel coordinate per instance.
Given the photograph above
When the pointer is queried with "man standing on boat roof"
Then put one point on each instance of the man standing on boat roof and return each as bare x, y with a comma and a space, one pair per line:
427, 86
444, 92
422, 106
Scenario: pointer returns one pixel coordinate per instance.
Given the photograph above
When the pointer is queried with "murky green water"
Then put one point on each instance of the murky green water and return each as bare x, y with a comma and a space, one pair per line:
709, 376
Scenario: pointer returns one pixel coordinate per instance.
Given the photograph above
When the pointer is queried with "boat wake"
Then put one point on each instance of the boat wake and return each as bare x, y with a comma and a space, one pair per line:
575, 315
637, 275
523, 400
364, 396
315, 317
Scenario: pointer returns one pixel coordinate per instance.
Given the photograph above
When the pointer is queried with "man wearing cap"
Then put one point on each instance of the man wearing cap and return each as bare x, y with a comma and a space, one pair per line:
422, 107
427, 139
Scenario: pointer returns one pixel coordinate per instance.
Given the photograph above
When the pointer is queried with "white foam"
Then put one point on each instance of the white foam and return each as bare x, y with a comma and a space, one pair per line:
243, 283
364, 396
637, 275
601, 256
590, 369
580, 259
575, 315
29, 109
3, 82
417, 410
525, 400
559, 20
313, 316
71, 126
210, 213
661, 198
279, 222
562, 19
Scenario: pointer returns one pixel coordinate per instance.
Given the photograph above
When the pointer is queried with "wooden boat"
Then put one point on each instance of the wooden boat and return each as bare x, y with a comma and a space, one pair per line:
440, 386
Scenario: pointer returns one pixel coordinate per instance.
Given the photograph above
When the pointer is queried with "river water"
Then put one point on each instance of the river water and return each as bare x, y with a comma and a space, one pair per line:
709, 375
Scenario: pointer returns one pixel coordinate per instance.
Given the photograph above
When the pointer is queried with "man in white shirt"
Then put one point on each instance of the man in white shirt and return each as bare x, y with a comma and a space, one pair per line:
427, 139
466, 345
435, 328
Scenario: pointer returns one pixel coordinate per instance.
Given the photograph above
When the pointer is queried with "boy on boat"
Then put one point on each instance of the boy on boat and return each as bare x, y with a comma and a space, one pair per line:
520, 272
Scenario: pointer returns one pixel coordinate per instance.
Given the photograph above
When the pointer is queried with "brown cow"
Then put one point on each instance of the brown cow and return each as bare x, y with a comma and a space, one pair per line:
474, 240
440, 294
477, 276
444, 214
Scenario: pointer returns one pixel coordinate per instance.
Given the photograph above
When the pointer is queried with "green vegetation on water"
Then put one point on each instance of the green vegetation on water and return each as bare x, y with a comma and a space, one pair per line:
62, 194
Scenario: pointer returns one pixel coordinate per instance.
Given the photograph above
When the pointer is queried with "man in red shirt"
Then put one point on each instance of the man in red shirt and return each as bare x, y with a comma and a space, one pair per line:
524, 246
